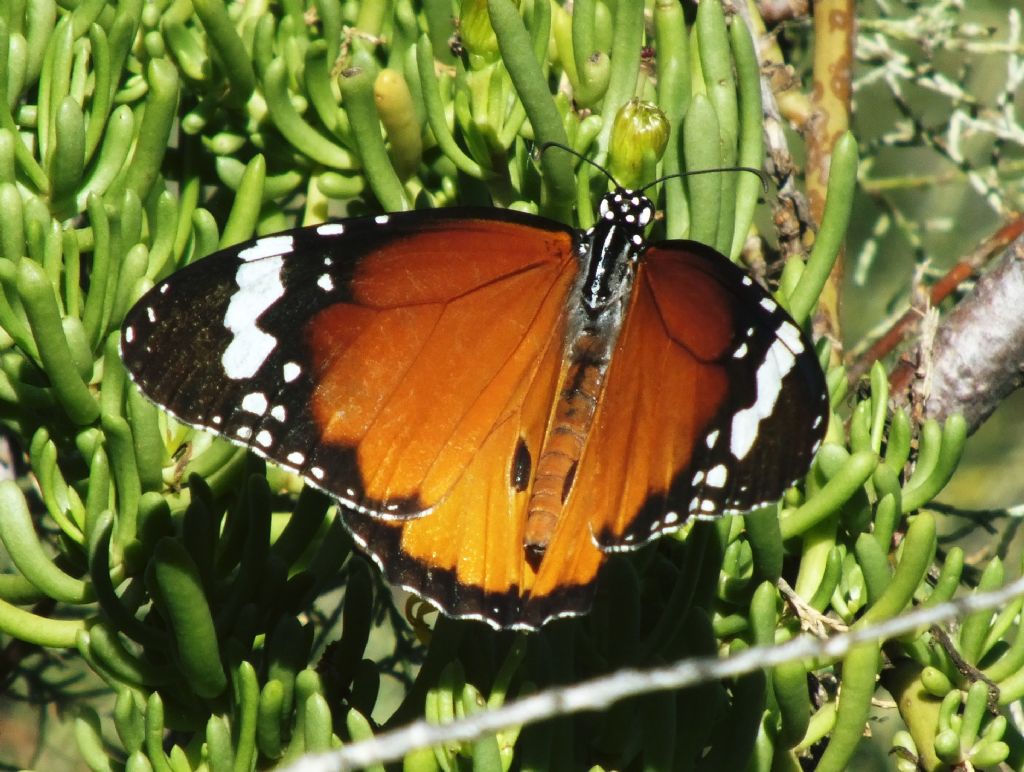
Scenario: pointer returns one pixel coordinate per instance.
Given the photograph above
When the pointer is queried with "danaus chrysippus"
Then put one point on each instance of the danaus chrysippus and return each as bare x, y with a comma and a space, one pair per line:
496, 399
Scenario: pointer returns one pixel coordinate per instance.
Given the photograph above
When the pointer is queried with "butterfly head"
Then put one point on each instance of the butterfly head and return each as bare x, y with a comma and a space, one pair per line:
613, 246
629, 209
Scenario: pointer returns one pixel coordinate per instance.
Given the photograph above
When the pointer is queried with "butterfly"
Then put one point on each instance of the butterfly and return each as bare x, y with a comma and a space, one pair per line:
497, 400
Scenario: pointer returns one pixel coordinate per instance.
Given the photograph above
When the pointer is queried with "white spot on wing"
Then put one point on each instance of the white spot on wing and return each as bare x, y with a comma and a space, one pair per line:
790, 335
150, 314
712, 438
768, 304
264, 438
255, 402
271, 246
295, 457
290, 371
330, 229
717, 476
243, 432
279, 412
778, 361
381, 219
259, 287
129, 334
740, 352
325, 282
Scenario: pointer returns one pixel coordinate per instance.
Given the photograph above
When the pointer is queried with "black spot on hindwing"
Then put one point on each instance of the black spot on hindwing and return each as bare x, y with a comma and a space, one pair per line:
522, 467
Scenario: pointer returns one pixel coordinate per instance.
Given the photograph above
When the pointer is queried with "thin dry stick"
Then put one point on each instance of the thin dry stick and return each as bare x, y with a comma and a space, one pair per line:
599, 693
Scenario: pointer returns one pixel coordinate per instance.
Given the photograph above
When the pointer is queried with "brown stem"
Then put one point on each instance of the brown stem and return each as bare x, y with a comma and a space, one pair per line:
830, 118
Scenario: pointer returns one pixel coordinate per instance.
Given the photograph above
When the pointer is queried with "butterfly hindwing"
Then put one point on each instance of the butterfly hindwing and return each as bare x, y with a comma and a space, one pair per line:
466, 556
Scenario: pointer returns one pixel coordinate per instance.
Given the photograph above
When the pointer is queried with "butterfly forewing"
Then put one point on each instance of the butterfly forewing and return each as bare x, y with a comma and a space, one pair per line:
373, 357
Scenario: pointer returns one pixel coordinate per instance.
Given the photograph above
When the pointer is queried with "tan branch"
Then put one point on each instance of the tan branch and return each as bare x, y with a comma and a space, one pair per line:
830, 117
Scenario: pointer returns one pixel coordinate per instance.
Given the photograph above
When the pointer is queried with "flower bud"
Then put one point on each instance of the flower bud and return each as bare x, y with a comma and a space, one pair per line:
401, 123
639, 136
476, 34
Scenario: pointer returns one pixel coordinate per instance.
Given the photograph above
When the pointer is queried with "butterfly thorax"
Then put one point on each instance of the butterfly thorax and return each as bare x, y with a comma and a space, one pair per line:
609, 252
610, 249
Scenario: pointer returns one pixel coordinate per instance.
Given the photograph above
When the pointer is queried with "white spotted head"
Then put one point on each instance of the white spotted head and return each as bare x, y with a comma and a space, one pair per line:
628, 209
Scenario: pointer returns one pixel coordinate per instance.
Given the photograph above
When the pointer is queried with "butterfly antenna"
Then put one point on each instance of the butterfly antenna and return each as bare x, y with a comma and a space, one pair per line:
547, 145
762, 175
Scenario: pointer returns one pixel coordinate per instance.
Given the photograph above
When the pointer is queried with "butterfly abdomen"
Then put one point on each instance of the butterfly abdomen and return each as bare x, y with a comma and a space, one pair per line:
566, 437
